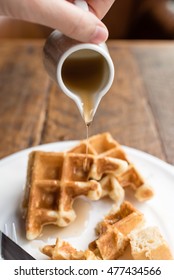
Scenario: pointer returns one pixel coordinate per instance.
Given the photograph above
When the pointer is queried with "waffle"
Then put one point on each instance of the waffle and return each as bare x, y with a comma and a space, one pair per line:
104, 145
112, 238
125, 219
54, 180
149, 244
113, 232
62, 250
110, 245
116, 232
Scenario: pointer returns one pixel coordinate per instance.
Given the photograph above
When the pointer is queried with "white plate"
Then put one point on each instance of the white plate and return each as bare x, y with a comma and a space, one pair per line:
159, 211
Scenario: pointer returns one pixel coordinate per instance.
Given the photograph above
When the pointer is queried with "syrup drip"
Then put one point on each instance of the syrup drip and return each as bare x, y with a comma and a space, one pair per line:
86, 162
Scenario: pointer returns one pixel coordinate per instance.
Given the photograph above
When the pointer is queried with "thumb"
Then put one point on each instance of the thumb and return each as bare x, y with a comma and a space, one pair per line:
61, 15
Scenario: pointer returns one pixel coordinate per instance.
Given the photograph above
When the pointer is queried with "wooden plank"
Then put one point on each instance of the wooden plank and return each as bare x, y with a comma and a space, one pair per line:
157, 68
23, 95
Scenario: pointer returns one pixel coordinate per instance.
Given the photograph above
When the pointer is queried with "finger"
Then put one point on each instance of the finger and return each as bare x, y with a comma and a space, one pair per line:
61, 15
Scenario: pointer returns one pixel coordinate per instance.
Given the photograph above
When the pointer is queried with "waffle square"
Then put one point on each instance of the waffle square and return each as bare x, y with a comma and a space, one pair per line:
110, 245
125, 219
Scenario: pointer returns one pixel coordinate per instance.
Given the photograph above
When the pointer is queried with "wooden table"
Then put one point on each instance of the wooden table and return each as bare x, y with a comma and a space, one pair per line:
138, 110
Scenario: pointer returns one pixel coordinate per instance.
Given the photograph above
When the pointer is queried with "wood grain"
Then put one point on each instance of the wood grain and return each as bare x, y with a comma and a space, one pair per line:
23, 96
138, 110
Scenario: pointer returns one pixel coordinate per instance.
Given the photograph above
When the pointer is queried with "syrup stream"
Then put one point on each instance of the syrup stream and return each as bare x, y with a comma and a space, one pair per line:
85, 166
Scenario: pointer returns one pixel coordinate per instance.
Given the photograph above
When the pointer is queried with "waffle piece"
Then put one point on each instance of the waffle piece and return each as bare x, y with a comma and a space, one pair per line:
54, 180
125, 219
62, 250
113, 231
110, 245
149, 244
105, 145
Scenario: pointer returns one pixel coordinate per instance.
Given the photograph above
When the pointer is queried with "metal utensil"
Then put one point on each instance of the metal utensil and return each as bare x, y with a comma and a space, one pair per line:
12, 251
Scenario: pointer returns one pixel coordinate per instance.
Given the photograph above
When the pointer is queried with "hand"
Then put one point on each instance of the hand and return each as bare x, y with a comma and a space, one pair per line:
62, 15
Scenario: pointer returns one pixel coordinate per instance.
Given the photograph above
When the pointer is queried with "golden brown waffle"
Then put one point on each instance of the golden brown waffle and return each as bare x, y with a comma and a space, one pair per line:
113, 231
110, 245
116, 232
62, 250
125, 219
112, 237
54, 180
105, 145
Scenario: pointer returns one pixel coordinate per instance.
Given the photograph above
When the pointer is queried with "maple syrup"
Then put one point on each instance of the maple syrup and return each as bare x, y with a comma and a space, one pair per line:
85, 73
85, 165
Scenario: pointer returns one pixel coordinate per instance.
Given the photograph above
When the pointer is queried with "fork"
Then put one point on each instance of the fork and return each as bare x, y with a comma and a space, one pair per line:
9, 249
12, 236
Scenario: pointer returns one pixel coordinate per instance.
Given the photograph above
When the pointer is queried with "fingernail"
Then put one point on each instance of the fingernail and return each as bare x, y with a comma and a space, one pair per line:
100, 35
